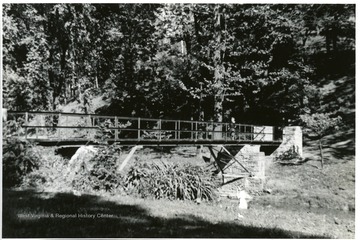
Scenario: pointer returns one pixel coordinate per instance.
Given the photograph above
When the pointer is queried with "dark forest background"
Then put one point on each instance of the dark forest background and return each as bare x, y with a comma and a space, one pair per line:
262, 64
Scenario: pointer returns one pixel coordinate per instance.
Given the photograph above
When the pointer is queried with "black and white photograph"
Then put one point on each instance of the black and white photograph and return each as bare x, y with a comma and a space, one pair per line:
178, 120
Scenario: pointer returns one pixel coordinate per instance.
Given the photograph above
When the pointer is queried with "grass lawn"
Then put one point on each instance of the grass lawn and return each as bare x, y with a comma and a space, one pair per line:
33, 214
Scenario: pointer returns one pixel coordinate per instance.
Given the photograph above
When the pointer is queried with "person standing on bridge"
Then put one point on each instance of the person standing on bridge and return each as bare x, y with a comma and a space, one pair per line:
86, 101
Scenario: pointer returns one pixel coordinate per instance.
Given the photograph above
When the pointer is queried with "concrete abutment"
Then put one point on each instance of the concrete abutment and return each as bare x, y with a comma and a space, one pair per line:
256, 162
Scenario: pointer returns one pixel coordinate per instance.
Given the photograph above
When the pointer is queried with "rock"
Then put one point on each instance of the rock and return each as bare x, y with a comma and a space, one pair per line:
269, 191
349, 229
239, 216
336, 221
345, 208
76, 193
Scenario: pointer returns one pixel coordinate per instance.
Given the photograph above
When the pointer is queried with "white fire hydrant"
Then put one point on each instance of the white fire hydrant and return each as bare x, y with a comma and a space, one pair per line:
244, 198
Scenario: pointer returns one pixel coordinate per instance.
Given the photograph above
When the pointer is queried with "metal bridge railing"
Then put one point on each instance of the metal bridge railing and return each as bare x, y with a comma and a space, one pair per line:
50, 125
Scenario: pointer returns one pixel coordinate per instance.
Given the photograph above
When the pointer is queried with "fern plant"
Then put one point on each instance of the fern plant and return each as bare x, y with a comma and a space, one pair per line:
171, 181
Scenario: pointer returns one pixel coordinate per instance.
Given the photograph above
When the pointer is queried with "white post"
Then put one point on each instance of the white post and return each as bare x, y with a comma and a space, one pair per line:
128, 157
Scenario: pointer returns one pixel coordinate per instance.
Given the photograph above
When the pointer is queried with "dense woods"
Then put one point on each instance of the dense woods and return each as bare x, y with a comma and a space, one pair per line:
258, 63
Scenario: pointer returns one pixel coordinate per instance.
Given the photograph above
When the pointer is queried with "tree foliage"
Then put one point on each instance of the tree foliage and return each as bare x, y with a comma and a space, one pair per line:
320, 123
259, 63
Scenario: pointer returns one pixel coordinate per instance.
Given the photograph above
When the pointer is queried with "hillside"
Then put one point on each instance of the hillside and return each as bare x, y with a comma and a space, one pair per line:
339, 98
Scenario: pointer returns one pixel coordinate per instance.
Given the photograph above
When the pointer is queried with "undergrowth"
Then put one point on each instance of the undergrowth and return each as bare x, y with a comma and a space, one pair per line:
50, 175
94, 171
18, 157
90, 173
289, 156
171, 181
19, 160
99, 173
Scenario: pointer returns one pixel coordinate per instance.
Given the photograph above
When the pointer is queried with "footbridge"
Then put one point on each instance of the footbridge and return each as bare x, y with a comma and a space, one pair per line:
49, 128
236, 150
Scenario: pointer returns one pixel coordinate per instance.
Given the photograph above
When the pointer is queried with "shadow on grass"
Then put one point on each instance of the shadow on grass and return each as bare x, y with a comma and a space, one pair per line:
27, 214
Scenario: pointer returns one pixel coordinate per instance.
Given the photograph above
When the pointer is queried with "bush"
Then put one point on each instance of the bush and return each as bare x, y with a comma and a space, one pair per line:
19, 159
171, 181
289, 155
94, 176
51, 173
100, 174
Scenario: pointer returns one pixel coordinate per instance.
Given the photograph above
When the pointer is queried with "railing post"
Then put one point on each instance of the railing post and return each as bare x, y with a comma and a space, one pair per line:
213, 128
206, 130
59, 129
36, 129
26, 123
175, 130
139, 124
179, 130
196, 130
227, 126
66, 124
116, 126
159, 129
191, 129
89, 131
237, 132
252, 133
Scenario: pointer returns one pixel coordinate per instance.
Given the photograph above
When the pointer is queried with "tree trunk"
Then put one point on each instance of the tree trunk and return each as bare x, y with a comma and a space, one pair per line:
218, 73
219, 68
321, 154
52, 81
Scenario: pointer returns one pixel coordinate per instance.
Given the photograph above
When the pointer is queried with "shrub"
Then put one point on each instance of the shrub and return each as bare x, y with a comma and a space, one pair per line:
19, 159
100, 173
94, 176
289, 155
50, 175
171, 181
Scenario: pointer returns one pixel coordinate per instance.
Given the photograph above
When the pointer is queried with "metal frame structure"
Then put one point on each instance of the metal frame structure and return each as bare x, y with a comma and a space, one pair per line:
66, 128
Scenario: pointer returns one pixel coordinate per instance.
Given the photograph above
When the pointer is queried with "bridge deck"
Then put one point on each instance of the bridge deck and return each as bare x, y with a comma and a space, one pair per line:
48, 128
79, 142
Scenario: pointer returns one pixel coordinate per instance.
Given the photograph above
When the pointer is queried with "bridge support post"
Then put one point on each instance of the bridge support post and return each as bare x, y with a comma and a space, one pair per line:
128, 157
224, 159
